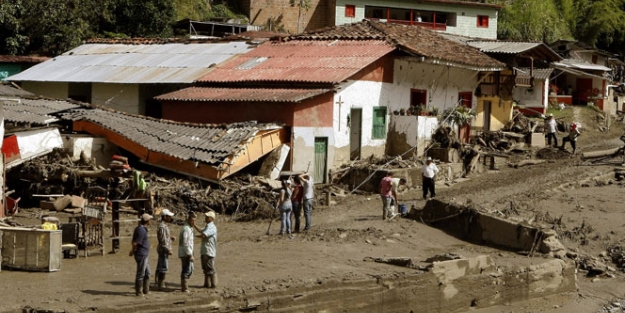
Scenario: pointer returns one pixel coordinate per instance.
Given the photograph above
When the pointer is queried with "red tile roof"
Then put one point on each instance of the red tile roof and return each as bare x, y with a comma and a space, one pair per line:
206, 94
318, 61
414, 40
467, 3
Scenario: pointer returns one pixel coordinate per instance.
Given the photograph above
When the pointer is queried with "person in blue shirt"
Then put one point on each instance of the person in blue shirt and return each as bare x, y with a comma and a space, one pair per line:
141, 250
208, 250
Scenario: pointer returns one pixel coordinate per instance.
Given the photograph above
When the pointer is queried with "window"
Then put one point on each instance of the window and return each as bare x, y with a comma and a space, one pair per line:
379, 123
594, 59
482, 21
350, 10
418, 96
466, 98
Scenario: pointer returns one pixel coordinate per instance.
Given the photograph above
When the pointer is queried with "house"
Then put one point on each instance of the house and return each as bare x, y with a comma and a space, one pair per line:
529, 65
463, 18
289, 15
335, 89
13, 64
583, 74
125, 74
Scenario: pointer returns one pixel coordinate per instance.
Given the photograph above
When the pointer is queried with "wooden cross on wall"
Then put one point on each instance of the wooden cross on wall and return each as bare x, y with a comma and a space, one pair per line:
340, 102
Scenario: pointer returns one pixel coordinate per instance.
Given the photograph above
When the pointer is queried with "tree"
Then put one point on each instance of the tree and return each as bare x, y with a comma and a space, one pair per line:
146, 18
532, 20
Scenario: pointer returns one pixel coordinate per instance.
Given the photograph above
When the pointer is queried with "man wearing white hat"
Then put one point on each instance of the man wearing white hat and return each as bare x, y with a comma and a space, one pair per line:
208, 250
428, 172
141, 251
551, 128
164, 247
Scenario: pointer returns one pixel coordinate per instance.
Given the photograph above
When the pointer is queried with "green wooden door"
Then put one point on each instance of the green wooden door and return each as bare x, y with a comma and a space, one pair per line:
321, 157
379, 123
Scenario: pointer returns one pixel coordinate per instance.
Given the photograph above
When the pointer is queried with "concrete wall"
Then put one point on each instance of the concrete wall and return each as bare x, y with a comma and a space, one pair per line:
466, 16
501, 113
120, 97
406, 132
537, 99
285, 13
47, 89
96, 148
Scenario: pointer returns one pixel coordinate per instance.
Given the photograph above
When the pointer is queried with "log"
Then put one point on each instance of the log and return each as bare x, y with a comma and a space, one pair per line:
514, 135
94, 174
527, 162
601, 153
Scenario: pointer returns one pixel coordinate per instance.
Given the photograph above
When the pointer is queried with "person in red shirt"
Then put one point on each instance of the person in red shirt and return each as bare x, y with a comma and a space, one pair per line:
296, 199
386, 194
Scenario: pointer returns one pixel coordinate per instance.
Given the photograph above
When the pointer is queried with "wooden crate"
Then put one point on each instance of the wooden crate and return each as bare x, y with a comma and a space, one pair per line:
31, 249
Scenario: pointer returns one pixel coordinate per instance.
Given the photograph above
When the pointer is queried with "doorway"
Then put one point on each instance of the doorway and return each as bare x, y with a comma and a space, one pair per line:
487, 111
321, 159
355, 135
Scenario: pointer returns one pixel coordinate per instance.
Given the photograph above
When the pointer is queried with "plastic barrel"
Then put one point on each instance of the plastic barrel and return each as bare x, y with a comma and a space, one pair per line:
403, 209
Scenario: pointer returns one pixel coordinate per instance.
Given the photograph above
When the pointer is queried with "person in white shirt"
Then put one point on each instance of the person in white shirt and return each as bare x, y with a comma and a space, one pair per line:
551, 128
428, 173
395, 183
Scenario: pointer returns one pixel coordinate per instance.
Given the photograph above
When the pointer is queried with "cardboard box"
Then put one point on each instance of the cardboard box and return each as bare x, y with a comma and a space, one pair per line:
537, 140
47, 205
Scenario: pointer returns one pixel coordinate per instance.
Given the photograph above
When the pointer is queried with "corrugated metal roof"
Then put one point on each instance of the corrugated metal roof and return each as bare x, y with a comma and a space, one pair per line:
206, 143
206, 94
35, 111
143, 63
414, 40
538, 73
504, 46
582, 65
10, 91
326, 61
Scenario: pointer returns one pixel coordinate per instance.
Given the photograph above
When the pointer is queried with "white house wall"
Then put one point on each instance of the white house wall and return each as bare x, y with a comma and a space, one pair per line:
120, 97
47, 89
442, 83
466, 16
304, 147
534, 99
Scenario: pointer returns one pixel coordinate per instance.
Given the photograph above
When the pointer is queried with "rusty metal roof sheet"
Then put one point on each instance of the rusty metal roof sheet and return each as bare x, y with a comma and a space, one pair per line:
22, 59
414, 40
207, 94
134, 63
206, 143
323, 61
35, 111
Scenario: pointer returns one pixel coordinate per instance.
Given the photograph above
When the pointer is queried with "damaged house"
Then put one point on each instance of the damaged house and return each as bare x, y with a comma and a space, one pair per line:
336, 89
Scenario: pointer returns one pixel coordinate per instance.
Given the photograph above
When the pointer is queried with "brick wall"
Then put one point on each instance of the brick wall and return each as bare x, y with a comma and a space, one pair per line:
285, 15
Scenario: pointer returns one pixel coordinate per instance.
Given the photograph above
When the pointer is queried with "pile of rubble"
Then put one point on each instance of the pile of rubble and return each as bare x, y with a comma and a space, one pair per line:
245, 197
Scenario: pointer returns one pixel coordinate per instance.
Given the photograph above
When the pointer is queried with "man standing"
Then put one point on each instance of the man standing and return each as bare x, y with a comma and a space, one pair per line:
141, 250
164, 247
387, 195
185, 251
209, 250
309, 197
551, 129
428, 173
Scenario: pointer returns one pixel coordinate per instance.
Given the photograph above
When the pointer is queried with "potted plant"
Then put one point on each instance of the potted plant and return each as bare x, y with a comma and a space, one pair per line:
420, 109
396, 112
460, 116
402, 111
434, 111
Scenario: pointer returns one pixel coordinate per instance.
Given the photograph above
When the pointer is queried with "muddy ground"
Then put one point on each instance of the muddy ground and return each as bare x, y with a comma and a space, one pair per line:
249, 261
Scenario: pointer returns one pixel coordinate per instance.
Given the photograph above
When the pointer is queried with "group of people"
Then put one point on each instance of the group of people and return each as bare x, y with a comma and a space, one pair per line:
141, 250
295, 195
389, 186
551, 129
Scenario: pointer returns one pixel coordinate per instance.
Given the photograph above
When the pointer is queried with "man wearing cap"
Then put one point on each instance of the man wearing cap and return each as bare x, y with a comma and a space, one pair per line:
428, 172
185, 251
208, 251
551, 128
164, 247
141, 250
308, 198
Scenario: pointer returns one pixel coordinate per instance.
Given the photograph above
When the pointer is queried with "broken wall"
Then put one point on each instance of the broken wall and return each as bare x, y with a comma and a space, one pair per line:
96, 148
406, 132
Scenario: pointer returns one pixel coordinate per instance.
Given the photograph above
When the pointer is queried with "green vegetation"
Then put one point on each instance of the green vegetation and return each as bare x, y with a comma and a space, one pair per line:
51, 27
596, 22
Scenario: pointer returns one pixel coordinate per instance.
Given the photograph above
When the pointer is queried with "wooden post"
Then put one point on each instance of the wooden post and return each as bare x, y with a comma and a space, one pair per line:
115, 227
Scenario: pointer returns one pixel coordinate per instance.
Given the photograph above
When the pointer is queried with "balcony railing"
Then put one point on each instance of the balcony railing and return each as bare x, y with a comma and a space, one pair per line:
428, 25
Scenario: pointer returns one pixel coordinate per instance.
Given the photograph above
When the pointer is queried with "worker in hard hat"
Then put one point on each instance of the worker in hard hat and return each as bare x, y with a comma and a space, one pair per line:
572, 137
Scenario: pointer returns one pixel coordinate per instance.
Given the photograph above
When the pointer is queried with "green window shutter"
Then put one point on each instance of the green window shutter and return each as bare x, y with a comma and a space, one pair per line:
379, 123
